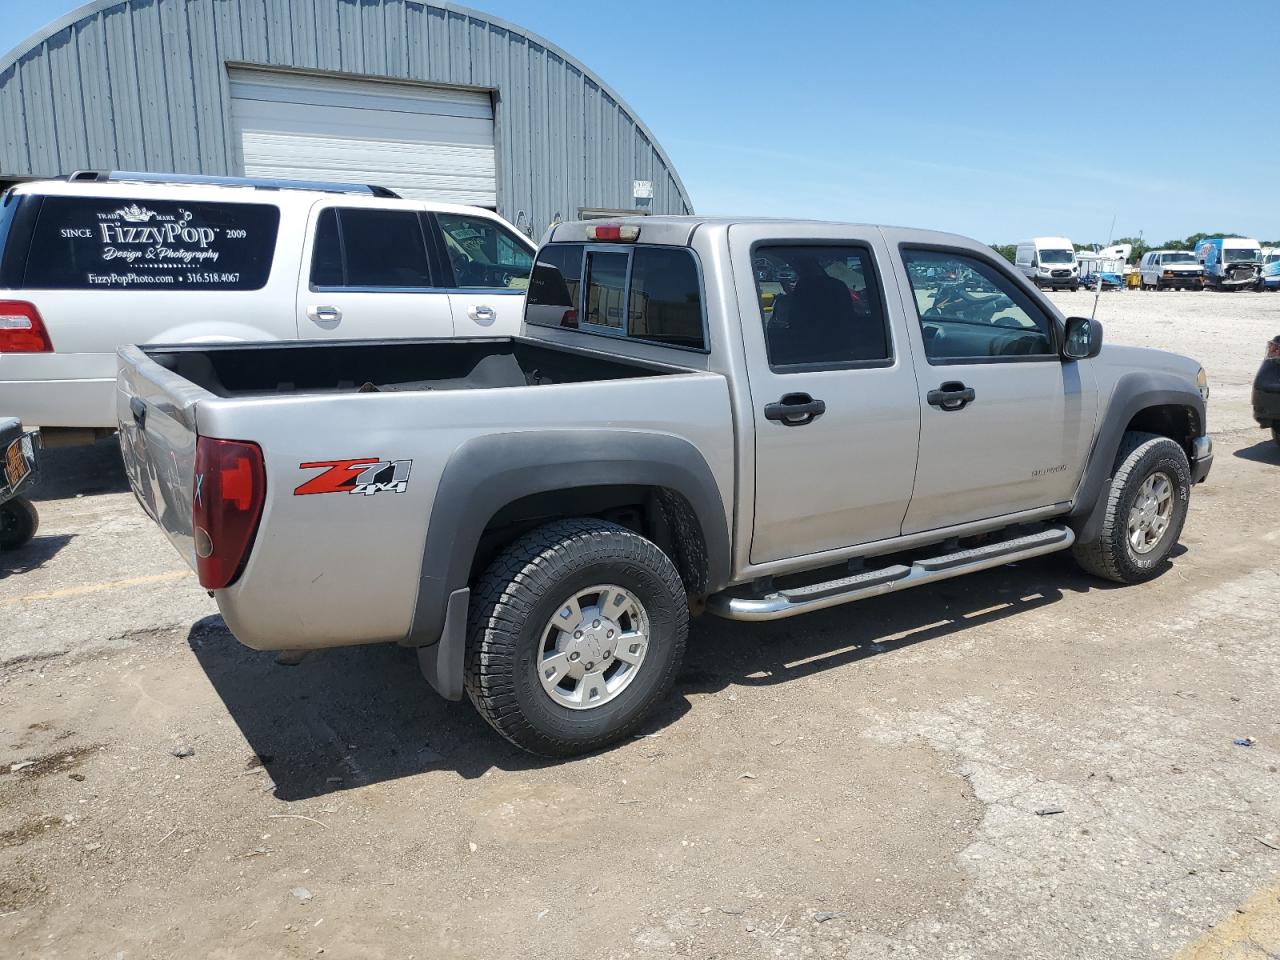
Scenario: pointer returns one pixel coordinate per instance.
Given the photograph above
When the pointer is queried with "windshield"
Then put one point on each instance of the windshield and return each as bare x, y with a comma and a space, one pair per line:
1272, 258
1179, 258
1237, 254
1057, 256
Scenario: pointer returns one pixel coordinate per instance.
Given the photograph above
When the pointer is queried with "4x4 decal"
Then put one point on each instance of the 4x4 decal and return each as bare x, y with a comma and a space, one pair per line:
363, 475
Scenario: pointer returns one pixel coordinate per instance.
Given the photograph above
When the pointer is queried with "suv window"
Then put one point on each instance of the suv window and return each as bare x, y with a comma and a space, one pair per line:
484, 253
821, 306
83, 243
660, 287
970, 311
368, 247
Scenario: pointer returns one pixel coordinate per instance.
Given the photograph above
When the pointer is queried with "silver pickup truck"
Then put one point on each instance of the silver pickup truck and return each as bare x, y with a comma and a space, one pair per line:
749, 418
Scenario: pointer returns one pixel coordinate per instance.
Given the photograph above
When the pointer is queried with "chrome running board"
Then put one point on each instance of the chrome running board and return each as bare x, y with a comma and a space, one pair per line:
797, 600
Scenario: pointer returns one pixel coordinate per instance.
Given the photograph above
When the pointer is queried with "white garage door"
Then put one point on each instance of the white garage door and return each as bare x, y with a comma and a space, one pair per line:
426, 142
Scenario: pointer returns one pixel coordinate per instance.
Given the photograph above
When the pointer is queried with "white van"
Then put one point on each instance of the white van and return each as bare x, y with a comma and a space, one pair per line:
1163, 269
96, 261
1049, 262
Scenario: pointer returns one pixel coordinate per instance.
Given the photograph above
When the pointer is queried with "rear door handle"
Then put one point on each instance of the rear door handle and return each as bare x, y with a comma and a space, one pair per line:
324, 314
795, 410
482, 313
952, 395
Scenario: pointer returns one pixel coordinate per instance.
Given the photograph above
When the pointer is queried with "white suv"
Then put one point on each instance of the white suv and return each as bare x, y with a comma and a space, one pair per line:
100, 260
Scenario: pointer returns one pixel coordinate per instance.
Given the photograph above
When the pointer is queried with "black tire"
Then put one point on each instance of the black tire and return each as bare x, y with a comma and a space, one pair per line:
1275, 434
1075, 287
19, 522
513, 605
1111, 555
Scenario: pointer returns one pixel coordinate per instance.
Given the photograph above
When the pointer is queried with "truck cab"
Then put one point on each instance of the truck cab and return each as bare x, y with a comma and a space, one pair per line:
1230, 263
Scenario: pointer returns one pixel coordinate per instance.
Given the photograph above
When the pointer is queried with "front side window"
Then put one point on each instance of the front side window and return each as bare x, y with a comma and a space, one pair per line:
821, 306
484, 253
649, 293
103, 243
1057, 256
968, 310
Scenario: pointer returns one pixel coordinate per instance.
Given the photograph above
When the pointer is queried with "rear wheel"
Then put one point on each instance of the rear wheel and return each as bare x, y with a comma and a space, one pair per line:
19, 522
1146, 507
577, 631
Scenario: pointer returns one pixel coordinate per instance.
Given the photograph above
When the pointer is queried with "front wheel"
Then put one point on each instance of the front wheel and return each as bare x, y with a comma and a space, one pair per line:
1146, 507
18, 523
577, 630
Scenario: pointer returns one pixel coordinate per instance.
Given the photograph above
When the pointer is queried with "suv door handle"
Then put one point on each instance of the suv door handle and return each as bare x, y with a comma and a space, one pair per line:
795, 410
324, 314
952, 395
482, 313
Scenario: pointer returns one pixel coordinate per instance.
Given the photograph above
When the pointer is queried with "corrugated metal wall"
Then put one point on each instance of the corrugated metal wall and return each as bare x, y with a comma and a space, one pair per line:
142, 85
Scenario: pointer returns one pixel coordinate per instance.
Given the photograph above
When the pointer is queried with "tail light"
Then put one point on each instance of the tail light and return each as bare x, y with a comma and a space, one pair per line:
21, 329
614, 232
1273, 349
228, 493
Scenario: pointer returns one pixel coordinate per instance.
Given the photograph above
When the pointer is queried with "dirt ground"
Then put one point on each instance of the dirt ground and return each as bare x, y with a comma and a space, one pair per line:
874, 780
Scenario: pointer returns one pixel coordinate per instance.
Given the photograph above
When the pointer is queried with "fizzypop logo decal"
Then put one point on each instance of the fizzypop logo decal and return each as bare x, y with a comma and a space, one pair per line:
363, 475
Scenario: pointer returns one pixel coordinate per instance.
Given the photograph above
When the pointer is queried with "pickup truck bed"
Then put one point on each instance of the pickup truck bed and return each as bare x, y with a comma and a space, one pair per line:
256, 370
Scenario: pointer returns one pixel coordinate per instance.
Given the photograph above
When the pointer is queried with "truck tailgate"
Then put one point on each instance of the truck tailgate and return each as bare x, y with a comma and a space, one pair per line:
157, 416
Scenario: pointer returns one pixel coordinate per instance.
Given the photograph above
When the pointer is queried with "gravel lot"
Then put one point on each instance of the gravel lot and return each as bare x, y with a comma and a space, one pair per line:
867, 781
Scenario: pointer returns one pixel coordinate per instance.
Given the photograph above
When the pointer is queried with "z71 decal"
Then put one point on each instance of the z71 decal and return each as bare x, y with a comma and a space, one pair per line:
363, 475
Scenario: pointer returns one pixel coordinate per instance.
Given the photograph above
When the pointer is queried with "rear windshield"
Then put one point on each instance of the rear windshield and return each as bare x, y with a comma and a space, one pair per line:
648, 293
97, 243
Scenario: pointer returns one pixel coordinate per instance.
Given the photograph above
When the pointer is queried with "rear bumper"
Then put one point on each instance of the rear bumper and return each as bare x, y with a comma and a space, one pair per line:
1201, 459
1266, 394
59, 389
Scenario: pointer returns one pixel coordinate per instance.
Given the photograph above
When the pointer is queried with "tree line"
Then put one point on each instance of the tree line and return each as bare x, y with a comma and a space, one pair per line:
1140, 246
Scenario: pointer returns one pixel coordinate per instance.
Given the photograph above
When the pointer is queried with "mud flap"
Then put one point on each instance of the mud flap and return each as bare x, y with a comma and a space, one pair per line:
442, 662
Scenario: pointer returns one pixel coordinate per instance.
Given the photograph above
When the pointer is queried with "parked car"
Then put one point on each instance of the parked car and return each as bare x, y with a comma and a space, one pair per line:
1266, 390
1049, 262
97, 261
19, 518
1170, 269
745, 417
1230, 263
1271, 268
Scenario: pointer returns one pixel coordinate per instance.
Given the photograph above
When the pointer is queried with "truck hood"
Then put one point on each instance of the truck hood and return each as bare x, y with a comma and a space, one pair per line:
1123, 359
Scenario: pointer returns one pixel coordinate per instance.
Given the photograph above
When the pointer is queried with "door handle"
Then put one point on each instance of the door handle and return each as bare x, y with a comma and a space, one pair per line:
324, 314
795, 410
482, 313
952, 395
138, 407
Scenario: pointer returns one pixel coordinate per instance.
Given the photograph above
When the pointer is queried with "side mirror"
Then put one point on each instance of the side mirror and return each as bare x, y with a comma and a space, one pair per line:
1083, 340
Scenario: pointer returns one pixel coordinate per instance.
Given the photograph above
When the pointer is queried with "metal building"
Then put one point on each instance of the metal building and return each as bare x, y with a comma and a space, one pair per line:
429, 99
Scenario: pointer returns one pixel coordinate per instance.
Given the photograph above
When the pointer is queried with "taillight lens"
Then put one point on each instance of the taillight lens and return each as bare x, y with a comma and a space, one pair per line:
613, 232
1273, 349
226, 504
21, 329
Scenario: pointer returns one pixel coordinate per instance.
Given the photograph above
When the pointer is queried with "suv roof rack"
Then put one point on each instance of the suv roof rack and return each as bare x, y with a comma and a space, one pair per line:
260, 183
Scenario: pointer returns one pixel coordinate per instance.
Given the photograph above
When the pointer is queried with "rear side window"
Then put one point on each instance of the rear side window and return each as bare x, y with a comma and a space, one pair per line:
370, 248
99, 243
647, 293
821, 307
483, 253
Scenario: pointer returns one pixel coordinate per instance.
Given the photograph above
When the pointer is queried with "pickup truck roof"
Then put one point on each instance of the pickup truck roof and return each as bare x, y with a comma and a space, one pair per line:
680, 230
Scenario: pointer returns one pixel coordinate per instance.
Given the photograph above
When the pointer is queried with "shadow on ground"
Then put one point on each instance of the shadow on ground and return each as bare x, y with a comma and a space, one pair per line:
34, 554
1267, 451
354, 716
80, 471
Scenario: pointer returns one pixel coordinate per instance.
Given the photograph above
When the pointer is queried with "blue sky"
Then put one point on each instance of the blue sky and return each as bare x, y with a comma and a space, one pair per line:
995, 119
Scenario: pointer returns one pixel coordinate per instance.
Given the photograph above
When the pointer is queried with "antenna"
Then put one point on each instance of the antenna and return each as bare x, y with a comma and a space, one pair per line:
1097, 284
